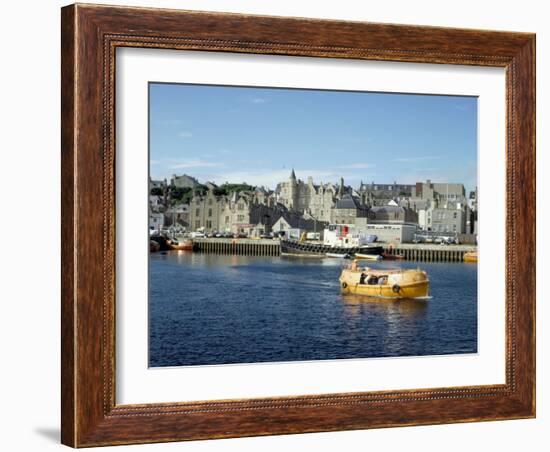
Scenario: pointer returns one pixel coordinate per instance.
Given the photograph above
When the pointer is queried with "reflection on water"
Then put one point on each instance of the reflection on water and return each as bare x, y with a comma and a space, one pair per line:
209, 309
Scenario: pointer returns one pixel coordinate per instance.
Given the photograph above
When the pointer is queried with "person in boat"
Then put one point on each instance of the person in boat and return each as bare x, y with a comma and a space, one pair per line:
362, 278
373, 280
354, 265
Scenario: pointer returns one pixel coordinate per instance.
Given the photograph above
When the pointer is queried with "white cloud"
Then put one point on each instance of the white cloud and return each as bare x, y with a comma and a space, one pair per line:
258, 100
416, 159
195, 163
168, 122
185, 134
356, 166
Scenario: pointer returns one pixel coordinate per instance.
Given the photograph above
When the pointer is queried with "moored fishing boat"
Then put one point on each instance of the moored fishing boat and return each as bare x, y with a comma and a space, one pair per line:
321, 249
186, 245
384, 283
337, 239
161, 241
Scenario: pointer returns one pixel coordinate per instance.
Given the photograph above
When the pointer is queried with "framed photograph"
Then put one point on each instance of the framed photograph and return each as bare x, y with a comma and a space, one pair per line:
281, 225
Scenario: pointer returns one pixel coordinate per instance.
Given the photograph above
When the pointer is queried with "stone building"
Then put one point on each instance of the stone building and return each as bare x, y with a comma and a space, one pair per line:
205, 211
183, 181
446, 220
178, 214
309, 198
157, 184
238, 213
381, 194
392, 214
156, 222
242, 214
440, 193
292, 225
347, 209
156, 203
441, 207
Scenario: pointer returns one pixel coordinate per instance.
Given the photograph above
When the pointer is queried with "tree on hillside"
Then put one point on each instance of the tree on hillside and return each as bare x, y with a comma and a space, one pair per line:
227, 188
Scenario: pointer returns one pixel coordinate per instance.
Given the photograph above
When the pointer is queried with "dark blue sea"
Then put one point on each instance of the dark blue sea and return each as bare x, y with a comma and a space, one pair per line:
212, 309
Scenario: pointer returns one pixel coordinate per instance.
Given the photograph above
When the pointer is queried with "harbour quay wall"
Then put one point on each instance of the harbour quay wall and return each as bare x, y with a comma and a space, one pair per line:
244, 247
430, 253
267, 247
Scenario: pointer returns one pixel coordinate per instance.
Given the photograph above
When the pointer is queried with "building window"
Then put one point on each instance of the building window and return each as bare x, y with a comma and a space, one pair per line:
197, 212
240, 206
209, 212
197, 224
209, 224
454, 215
240, 217
210, 202
226, 220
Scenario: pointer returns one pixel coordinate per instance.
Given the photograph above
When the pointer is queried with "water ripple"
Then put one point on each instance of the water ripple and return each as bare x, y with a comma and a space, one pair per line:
207, 309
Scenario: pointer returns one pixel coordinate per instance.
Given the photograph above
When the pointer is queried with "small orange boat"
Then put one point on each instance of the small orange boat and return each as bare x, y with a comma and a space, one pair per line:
186, 245
470, 257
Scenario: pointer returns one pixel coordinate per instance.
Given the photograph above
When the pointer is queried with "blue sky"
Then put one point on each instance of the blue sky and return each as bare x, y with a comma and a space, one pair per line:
257, 135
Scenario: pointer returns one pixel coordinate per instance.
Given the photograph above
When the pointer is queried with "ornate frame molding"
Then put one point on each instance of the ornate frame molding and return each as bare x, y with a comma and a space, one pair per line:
90, 37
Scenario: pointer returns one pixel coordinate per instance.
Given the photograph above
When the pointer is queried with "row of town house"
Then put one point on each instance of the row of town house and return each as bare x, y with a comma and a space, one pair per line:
395, 208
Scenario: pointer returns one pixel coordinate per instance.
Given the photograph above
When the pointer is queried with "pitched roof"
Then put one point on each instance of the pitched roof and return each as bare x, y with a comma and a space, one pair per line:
348, 202
387, 209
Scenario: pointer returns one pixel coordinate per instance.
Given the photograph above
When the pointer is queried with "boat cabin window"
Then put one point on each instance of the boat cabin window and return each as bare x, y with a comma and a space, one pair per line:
373, 280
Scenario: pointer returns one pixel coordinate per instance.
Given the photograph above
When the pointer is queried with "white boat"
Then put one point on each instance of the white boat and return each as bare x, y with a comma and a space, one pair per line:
369, 257
338, 255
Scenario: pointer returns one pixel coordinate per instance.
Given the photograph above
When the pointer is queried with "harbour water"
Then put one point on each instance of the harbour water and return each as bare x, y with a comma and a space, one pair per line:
209, 309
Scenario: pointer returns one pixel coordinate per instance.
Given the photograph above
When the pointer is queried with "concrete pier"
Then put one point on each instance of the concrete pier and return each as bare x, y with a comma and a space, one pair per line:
265, 247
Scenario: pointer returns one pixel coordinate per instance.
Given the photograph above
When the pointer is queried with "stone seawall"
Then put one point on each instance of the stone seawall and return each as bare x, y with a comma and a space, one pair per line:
430, 253
246, 247
266, 247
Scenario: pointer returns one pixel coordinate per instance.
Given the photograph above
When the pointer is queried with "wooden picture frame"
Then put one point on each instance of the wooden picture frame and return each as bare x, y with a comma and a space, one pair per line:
90, 36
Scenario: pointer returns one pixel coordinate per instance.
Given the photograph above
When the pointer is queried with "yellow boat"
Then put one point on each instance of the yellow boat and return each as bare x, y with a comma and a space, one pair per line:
470, 257
385, 283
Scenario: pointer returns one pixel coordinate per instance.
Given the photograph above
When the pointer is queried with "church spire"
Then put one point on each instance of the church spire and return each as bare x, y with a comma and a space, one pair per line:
292, 174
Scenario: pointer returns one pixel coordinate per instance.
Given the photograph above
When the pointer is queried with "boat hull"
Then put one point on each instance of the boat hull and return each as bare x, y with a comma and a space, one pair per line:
415, 290
305, 248
185, 246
